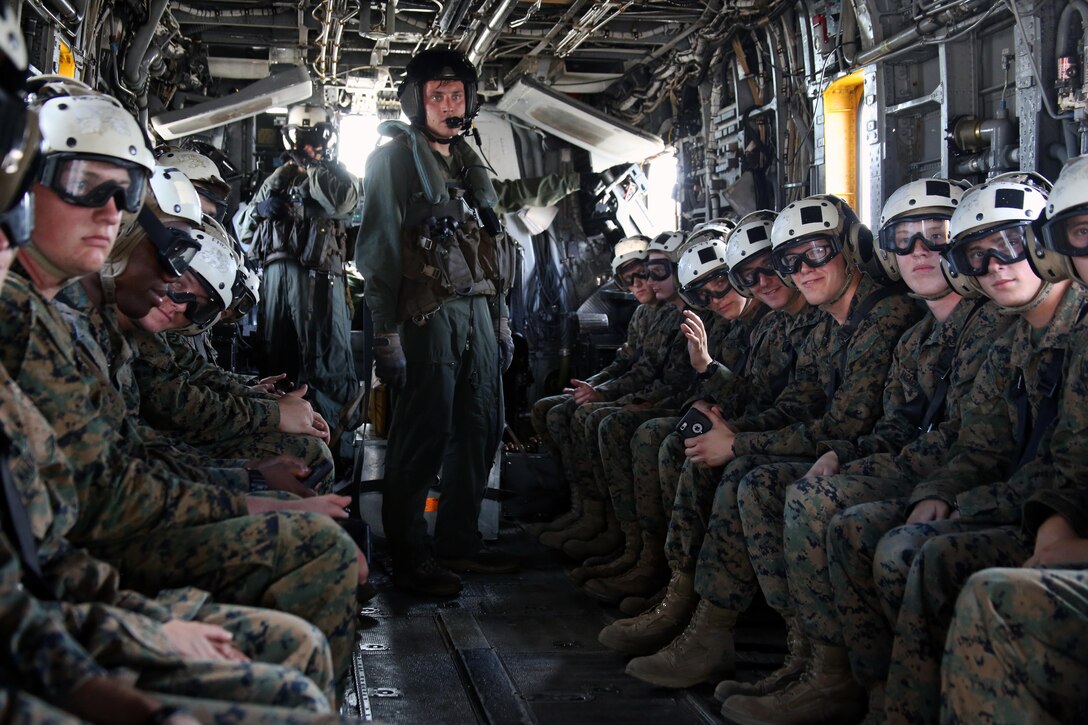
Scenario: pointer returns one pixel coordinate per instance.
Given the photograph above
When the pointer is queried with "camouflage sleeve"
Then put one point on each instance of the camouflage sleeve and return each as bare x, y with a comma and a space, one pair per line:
630, 350
677, 379
333, 187
45, 657
789, 369
985, 446
539, 191
79, 577
377, 249
195, 413
903, 395
1068, 496
655, 349
857, 401
923, 455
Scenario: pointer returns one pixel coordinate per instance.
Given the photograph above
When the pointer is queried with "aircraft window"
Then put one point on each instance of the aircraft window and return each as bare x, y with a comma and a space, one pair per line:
358, 135
661, 185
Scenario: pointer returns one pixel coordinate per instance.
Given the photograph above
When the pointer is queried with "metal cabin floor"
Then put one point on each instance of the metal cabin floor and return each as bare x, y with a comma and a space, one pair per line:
520, 648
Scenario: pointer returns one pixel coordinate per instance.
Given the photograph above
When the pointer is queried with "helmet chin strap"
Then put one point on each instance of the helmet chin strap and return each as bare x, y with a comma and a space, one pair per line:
48, 267
1044, 291
931, 298
852, 270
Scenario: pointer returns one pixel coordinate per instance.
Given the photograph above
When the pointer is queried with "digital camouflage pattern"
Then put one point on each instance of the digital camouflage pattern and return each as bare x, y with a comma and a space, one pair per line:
856, 405
1016, 650
873, 468
657, 452
730, 344
869, 575
199, 533
94, 625
218, 415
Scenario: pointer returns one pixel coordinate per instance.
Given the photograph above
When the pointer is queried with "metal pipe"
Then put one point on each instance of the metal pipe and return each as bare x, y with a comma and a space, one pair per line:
491, 31
135, 64
70, 13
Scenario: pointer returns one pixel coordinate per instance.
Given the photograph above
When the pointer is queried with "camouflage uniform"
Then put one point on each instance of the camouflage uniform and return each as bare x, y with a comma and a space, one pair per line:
869, 570
218, 414
93, 625
724, 573
626, 355
662, 370
658, 460
161, 530
21, 708
880, 465
729, 343
1015, 650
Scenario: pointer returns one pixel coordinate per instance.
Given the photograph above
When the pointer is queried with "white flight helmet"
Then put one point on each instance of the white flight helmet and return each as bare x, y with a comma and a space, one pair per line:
175, 194
701, 262
915, 201
95, 126
198, 167
308, 123
629, 249
752, 236
671, 244
1068, 201
216, 269
999, 204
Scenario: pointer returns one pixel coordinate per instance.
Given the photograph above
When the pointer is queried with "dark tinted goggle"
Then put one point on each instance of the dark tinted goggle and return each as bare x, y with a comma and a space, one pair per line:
658, 270
900, 237
699, 294
174, 248
813, 251
18, 222
219, 204
199, 312
971, 256
748, 276
1067, 233
243, 298
77, 180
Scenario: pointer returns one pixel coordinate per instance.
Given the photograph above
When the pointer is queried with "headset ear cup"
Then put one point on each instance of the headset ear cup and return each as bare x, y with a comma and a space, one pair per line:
961, 284
409, 99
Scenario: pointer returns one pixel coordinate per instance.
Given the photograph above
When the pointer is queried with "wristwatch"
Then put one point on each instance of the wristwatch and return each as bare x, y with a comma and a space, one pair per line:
711, 370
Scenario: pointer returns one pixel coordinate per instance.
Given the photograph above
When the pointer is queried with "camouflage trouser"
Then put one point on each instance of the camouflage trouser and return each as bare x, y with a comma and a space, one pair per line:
761, 498
587, 449
614, 437
688, 514
657, 457
542, 408
289, 662
22, 708
1014, 652
724, 574
940, 568
265, 445
811, 503
295, 562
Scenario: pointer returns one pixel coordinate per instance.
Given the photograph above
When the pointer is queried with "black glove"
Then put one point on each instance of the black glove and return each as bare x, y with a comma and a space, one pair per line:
389, 362
274, 207
506, 342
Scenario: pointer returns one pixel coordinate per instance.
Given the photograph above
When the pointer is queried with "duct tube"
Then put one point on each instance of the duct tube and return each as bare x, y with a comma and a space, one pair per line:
364, 18
1069, 134
135, 61
71, 13
491, 31
1075, 6
207, 13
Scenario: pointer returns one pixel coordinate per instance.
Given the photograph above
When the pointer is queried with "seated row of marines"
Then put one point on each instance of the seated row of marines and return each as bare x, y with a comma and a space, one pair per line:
887, 449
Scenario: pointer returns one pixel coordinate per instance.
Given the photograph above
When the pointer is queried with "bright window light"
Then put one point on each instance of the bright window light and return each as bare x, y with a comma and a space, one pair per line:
661, 185
358, 137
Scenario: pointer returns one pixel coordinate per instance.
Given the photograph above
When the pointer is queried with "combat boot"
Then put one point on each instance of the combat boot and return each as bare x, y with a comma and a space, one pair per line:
792, 668
653, 629
632, 547
646, 576
826, 692
588, 525
563, 520
632, 606
608, 540
702, 653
